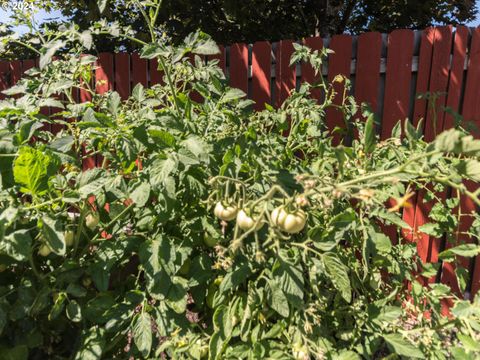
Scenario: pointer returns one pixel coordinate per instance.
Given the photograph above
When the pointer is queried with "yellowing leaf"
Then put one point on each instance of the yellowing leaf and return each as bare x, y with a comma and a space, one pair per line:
33, 168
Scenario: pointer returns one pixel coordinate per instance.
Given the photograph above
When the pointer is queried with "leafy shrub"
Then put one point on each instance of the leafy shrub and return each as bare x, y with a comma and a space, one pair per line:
128, 260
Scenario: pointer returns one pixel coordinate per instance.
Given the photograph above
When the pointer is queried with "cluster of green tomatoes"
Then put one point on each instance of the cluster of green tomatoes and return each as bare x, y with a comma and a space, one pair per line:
91, 221
283, 218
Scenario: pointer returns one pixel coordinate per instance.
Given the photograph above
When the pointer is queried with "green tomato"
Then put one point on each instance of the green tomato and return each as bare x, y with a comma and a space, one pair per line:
246, 222
44, 250
290, 222
226, 213
211, 291
69, 237
185, 268
92, 220
87, 281
209, 240
218, 280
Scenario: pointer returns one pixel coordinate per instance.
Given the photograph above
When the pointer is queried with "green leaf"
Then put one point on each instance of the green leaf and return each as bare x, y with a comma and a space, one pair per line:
92, 345
51, 102
197, 147
63, 144
233, 94
33, 168
369, 139
26, 131
85, 38
138, 92
151, 51
215, 346
15, 353
468, 343
162, 138
392, 218
53, 233
432, 229
347, 355
3, 320
74, 311
290, 278
233, 279
338, 273
402, 346
48, 51
102, 4
57, 307
411, 132
463, 277
177, 295
456, 142
200, 270
17, 245
277, 299
206, 47
389, 314
459, 353
465, 309
469, 168
92, 188
382, 242
76, 290
142, 333
430, 270
397, 130
467, 250
160, 169
141, 194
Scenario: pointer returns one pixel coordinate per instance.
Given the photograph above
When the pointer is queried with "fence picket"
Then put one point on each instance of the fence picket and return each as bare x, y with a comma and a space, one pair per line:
4, 77
471, 111
285, 75
398, 78
122, 74
460, 44
428, 246
27, 65
419, 112
261, 74
139, 73
238, 70
367, 78
15, 71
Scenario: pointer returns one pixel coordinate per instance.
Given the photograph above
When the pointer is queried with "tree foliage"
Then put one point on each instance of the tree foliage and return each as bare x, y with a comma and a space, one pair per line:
229, 21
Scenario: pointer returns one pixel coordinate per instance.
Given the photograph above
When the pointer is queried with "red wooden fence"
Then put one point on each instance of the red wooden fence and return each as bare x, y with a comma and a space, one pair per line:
387, 71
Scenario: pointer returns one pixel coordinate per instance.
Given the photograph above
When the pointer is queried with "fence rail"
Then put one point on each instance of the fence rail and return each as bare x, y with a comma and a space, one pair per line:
387, 71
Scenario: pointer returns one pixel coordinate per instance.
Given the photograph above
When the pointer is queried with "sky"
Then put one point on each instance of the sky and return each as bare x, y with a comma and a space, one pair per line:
42, 15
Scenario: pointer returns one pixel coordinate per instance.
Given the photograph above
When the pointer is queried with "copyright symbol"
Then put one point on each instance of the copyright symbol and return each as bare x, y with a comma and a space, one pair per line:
4, 5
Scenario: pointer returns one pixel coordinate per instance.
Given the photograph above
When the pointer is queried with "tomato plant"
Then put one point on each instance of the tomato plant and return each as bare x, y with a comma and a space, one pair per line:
207, 232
